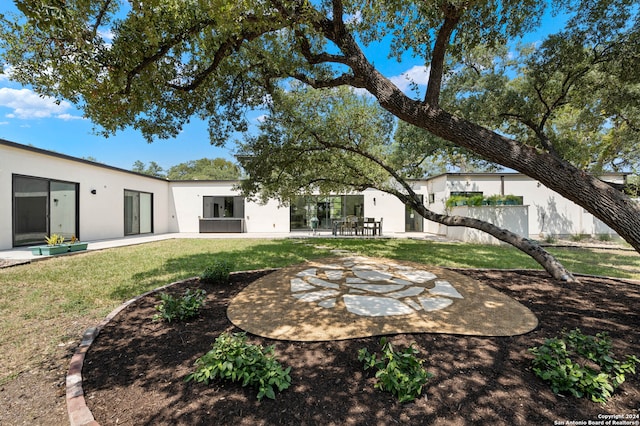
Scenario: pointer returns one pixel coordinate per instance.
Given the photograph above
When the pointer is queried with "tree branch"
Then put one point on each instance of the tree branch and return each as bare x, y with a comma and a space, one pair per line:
342, 80
434, 86
100, 16
316, 58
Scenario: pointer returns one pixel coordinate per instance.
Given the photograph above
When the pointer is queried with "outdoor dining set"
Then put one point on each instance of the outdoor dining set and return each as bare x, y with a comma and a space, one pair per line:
354, 225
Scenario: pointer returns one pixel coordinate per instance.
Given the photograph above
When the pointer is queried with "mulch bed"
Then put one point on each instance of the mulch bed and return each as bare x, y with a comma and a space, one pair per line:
133, 373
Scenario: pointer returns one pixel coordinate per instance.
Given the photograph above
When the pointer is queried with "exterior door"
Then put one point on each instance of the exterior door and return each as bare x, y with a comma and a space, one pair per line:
42, 207
138, 212
413, 222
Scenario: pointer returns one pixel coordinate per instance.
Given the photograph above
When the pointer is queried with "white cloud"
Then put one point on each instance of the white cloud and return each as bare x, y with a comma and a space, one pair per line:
106, 34
67, 117
28, 105
4, 123
5, 75
418, 74
356, 18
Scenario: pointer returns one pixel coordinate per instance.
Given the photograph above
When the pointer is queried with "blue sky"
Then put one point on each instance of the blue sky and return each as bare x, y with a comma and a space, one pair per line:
29, 119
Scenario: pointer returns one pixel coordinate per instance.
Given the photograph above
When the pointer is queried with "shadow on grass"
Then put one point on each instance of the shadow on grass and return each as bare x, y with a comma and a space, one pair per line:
279, 253
477, 380
274, 254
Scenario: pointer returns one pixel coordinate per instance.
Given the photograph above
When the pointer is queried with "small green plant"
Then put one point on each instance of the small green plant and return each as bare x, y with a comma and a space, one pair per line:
578, 237
550, 239
456, 200
180, 308
54, 239
605, 237
475, 200
232, 358
218, 272
581, 365
400, 373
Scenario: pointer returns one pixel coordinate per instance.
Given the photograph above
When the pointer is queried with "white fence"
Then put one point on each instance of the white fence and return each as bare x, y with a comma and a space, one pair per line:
513, 218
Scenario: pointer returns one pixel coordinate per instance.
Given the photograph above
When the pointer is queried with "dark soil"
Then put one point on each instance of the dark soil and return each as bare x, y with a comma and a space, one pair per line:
134, 372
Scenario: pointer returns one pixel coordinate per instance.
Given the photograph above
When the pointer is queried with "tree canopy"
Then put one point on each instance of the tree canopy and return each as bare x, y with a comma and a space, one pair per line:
202, 169
334, 140
560, 111
153, 169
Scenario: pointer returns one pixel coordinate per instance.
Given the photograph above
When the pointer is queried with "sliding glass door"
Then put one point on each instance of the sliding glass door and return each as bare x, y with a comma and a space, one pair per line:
325, 208
138, 212
42, 207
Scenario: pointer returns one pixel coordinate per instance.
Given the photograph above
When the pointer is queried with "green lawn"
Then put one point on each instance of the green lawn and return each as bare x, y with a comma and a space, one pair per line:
51, 302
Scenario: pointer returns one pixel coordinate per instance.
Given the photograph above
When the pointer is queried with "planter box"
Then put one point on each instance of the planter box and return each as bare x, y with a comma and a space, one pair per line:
57, 249
77, 246
51, 250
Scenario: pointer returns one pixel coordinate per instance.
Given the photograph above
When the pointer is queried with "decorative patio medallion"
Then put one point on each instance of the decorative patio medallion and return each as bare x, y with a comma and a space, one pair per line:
351, 297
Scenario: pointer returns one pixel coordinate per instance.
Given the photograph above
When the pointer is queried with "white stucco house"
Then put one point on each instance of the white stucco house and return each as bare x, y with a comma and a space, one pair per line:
44, 192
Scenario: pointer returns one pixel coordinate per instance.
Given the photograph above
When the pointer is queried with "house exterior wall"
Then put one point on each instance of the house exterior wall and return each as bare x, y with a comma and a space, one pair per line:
177, 205
186, 203
187, 206
101, 215
549, 212
380, 205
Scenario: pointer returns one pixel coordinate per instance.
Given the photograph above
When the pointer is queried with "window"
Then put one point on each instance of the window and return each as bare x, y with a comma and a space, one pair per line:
138, 212
222, 207
325, 208
43, 207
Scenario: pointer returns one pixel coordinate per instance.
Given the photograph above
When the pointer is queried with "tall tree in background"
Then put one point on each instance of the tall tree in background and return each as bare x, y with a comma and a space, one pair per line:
205, 169
202, 169
170, 60
153, 169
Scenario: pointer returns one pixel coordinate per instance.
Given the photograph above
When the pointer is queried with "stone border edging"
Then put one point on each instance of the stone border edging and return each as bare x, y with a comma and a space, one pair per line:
79, 413
77, 410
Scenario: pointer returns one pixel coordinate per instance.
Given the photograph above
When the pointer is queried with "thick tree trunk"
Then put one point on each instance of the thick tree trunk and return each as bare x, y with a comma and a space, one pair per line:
611, 206
540, 255
600, 199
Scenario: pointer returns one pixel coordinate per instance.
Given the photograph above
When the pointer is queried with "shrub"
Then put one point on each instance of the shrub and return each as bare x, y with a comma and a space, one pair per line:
456, 200
605, 237
180, 308
400, 373
232, 358
475, 200
218, 272
581, 365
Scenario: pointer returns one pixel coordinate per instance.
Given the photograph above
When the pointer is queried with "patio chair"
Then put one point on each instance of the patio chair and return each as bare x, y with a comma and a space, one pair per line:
348, 226
368, 226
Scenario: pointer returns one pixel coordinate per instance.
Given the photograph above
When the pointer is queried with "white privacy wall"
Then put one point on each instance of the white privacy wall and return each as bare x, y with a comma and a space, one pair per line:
549, 213
513, 218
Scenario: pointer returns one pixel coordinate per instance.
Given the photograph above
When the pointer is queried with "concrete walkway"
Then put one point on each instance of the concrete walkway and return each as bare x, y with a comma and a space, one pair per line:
24, 253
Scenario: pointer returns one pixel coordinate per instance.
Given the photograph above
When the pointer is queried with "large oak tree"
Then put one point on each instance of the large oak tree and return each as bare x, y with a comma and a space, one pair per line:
155, 64
334, 141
